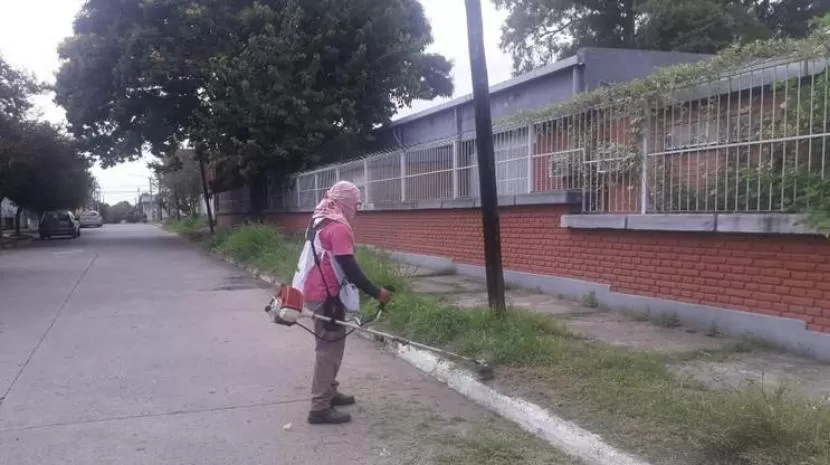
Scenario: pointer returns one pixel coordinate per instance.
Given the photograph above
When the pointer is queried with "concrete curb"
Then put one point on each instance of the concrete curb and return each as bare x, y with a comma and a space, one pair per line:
564, 435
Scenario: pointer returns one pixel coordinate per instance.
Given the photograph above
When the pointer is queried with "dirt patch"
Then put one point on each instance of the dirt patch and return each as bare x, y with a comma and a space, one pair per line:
620, 330
435, 285
809, 378
413, 432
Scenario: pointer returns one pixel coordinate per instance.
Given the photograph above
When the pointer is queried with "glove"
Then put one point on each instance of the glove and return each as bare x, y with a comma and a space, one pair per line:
384, 296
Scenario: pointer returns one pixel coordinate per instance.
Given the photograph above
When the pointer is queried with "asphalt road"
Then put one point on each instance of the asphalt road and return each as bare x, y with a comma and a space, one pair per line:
130, 346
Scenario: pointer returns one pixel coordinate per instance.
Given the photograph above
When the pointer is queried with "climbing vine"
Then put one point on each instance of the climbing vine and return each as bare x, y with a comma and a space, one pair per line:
761, 177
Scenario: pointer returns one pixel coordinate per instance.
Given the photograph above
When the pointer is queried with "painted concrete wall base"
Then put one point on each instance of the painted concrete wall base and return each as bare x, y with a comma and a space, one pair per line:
786, 333
747, 223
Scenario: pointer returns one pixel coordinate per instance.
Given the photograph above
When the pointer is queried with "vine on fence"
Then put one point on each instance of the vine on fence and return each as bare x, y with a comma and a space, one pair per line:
769, 181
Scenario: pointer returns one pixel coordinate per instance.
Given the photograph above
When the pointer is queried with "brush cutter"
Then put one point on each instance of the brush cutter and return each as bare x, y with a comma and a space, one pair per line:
286, 310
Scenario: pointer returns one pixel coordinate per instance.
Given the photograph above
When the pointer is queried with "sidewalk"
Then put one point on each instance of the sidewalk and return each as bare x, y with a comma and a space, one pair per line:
706, 359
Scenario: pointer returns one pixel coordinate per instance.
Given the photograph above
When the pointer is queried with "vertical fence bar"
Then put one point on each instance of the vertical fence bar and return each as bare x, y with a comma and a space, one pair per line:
530, 140
299, 197
403, 176
644, 149
366, 183
455, 149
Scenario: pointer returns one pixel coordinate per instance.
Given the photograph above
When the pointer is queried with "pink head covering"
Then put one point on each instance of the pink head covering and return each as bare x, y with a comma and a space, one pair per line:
339, 203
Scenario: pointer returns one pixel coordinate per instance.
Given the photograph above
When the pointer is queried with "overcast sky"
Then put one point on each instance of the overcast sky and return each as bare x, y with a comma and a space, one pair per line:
30, 31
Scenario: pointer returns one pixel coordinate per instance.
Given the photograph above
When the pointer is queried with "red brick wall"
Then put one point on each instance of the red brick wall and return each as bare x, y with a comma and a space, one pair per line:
777, 275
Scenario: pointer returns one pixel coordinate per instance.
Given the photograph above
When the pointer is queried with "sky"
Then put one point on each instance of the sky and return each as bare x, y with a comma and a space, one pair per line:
31, 30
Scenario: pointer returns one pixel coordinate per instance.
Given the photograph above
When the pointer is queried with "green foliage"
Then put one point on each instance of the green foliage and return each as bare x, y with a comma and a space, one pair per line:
43, 169
538, 32
122, 211
188, 227
180, 183
269, 86
16, 89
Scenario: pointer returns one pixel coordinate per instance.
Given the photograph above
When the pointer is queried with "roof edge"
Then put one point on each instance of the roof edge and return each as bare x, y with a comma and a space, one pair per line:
563, 64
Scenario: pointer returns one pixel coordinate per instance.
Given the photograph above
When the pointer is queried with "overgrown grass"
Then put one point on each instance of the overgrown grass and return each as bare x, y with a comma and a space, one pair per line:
189, 227
636, 395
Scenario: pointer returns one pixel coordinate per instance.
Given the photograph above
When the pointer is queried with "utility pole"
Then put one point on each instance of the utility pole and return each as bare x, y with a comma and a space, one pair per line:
486, 158
200, 155
152, 213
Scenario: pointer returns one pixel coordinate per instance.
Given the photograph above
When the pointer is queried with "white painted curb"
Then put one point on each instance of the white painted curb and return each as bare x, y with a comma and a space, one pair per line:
558, 432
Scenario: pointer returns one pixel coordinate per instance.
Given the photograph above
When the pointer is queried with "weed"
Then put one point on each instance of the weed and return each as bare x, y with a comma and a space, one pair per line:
713, 331
590, 300
188, 227
667, 320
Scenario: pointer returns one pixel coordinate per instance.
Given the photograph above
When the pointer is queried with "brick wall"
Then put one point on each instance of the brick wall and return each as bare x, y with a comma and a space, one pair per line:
776, 275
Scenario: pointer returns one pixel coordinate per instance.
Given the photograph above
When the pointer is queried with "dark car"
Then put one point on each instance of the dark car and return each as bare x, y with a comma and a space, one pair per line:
59, 223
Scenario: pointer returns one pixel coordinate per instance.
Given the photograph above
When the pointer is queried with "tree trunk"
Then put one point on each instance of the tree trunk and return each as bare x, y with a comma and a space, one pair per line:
17, 221
200, 154
258, 197
2, 244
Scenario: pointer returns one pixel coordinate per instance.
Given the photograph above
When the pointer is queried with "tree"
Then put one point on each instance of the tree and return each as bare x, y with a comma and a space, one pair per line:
16, 91
262, 86
180, 183
538, 32
122, 211
45, 171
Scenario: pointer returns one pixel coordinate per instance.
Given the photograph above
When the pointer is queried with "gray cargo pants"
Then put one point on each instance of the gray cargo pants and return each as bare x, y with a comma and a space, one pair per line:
330, 345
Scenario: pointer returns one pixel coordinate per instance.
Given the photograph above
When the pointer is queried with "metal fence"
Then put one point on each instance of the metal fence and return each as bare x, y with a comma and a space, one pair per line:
750, 141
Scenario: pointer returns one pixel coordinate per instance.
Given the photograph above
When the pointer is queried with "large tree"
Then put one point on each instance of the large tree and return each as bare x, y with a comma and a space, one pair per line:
538, 32
16, 90
258, 86
45, 171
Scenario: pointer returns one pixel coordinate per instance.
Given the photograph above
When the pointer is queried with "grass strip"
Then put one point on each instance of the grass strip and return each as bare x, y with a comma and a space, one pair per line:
639, 401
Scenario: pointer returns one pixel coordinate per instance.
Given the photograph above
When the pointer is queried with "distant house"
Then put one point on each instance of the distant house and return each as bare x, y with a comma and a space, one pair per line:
149, 206
8, 212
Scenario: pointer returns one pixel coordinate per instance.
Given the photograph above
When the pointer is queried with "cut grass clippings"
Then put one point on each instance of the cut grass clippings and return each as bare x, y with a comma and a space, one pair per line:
640, 402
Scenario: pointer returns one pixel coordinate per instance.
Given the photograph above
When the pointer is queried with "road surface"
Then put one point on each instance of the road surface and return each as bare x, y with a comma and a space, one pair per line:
130, 346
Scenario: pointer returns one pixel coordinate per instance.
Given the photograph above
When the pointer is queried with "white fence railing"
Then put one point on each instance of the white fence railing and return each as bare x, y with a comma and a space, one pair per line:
751, 141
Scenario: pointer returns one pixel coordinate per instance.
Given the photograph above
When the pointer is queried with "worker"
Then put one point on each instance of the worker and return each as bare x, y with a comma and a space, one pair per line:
323, 288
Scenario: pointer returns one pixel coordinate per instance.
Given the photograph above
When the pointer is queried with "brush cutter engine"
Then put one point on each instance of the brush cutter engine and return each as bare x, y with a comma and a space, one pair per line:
286, 306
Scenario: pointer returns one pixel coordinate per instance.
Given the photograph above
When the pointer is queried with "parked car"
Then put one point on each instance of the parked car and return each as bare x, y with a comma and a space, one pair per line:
59, 223
91, 219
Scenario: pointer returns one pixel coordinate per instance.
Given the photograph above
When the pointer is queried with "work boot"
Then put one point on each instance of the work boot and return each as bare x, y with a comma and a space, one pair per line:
328, 416
341, 400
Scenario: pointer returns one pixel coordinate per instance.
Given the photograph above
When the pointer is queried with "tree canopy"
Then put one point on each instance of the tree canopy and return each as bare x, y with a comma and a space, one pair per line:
40, 167
45, 171
263, 86
538, 32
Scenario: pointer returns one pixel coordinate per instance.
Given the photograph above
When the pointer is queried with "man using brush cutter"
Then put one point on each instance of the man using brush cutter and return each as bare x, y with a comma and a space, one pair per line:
330, 277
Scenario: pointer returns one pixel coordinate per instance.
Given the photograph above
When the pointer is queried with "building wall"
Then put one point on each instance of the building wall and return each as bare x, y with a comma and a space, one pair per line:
606, 66
764, 274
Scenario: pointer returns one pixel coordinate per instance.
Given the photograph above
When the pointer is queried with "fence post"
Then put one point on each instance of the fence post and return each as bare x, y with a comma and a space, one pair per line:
403, 176
337, 173
644, 171
366, 182
530, 137
455, 147
297, 187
